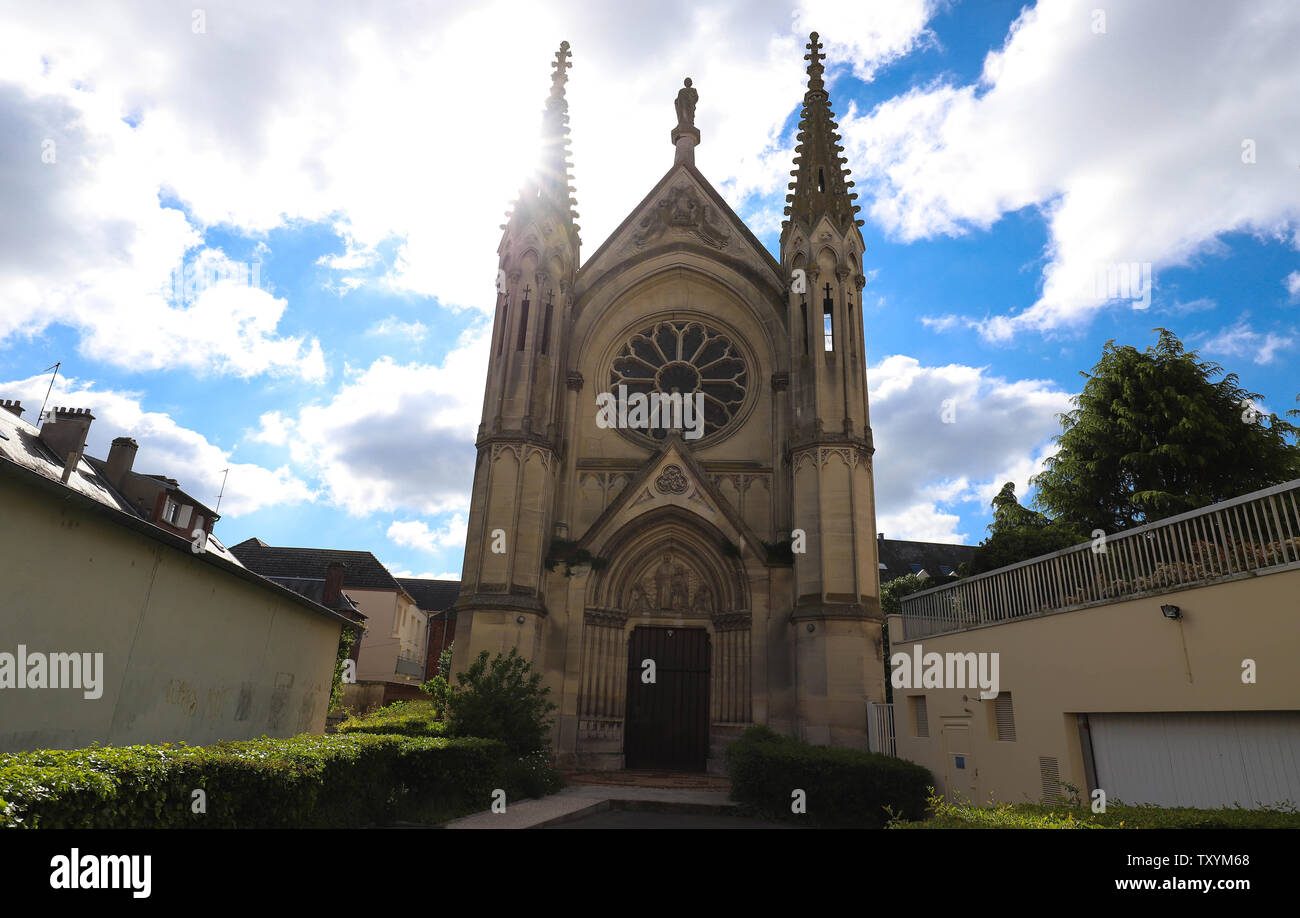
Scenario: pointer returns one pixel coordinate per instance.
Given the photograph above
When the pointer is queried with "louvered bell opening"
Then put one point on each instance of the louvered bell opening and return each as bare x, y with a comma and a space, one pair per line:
1049, 771
1004, 718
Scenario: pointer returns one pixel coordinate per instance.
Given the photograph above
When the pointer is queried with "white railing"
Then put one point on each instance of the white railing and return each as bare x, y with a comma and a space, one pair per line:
880, 728
1253, 532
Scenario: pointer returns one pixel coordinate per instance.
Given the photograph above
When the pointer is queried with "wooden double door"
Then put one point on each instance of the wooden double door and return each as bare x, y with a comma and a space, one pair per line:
667, 719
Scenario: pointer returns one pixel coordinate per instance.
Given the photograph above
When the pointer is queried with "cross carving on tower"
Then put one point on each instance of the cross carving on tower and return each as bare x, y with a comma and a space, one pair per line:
561, 67
815, 58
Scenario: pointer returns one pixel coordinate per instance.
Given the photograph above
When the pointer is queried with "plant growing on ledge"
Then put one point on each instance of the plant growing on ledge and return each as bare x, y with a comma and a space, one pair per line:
780, 552
566, 552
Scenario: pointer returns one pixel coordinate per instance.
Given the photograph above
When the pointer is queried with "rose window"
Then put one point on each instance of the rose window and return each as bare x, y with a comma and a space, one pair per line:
686, 358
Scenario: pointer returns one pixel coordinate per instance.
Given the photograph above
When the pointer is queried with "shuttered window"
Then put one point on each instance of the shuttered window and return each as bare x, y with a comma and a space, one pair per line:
1049, 770
921, 718
1004, 718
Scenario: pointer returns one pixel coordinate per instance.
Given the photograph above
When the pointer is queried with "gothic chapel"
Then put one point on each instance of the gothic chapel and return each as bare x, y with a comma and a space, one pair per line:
672, 586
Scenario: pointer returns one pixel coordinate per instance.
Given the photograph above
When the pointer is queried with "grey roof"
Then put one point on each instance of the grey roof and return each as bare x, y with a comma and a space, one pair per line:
362, 570
431, 595
314, 589
899, 557
20, 443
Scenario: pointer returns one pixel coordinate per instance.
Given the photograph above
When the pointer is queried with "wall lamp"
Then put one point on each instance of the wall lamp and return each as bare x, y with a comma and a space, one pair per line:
1171, 612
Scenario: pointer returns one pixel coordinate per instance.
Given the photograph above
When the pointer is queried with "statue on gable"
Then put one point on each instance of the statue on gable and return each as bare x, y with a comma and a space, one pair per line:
686, 99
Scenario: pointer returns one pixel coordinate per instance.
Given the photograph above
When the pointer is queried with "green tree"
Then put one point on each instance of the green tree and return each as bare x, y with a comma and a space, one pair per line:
1153, 434
1018, 534
502, 699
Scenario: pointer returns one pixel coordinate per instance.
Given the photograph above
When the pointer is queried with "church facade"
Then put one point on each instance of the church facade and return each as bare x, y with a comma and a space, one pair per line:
673, 515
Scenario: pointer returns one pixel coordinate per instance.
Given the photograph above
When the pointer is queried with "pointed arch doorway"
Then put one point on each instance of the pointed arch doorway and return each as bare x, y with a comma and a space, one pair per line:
667, 719
670, 593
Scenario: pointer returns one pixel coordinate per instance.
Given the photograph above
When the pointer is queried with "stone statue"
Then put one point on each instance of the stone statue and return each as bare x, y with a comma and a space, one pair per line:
686, 99
638, 602
681, 592
663, 586
704, 599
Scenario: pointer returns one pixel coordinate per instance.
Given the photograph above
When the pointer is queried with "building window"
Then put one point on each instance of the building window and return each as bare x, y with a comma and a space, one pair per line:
546, 325
920, 716
1004, 721
170, 511
687, 358
523, 321
828, 325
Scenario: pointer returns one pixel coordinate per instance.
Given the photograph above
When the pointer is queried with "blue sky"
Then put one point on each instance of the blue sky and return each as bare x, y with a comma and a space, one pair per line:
363, 166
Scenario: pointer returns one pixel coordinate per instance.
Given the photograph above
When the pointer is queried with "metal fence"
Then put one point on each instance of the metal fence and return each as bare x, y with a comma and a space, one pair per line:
1253, 532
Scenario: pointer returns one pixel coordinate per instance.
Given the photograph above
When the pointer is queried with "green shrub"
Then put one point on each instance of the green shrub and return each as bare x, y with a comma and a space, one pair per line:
945, 815
502, 700
532, 775
304, 781
844, 787
402, 718
347, 638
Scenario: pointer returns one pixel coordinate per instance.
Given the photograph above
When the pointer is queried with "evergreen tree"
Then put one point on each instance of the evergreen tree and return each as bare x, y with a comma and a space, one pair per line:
1153, 435
1018, 534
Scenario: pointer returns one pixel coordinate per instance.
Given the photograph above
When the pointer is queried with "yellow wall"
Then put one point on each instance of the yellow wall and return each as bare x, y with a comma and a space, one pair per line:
191, 652
1123, 657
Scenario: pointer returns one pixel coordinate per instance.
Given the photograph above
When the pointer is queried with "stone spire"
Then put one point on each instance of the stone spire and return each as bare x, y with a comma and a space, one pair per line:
821, 185
552, 188
686, 136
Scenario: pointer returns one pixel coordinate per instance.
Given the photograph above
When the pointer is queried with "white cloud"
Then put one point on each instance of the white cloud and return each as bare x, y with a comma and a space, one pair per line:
273, 428
84, 241
415, 534
391, 325
942, 323
166, 448
1243, 341
396, 436
1000, 431
1131, 143
922, 522
1292, 283
359, 118
427, 575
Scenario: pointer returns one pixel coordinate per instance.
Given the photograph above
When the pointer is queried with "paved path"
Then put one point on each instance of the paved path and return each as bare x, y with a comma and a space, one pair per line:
651, 778
583, 800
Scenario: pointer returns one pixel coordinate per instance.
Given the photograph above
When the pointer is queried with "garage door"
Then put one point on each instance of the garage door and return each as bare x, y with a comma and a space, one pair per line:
1207, 760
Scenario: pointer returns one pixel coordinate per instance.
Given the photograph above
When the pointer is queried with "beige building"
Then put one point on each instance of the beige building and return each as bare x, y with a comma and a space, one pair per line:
390, 660
731, 548
117, 630
1162, 670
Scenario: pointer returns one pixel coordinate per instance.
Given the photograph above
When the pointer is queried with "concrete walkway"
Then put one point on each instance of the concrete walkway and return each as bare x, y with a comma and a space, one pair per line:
578, 801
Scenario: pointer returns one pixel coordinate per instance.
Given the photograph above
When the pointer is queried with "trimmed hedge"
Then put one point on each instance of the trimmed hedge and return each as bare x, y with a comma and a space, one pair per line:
307, 781
402, 718
845, 788
944, 815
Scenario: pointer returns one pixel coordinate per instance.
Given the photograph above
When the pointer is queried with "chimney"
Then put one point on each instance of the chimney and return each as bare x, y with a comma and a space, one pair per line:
66, 434
13, 406
121, 457
333, 583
